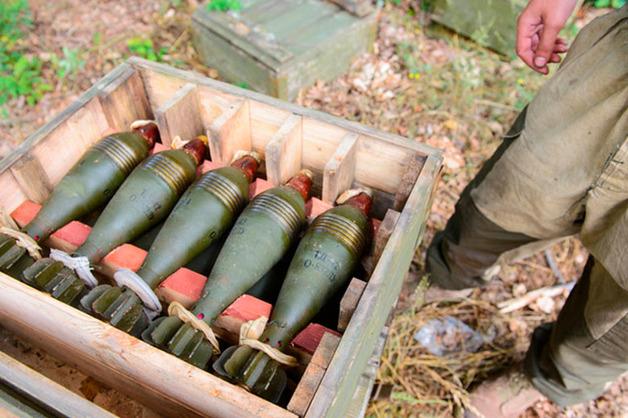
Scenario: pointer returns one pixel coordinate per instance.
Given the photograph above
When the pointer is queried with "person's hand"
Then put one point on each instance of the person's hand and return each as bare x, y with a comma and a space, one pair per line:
537, 32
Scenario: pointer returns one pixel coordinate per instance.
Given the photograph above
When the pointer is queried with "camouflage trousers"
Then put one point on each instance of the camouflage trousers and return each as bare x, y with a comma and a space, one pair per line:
561, 170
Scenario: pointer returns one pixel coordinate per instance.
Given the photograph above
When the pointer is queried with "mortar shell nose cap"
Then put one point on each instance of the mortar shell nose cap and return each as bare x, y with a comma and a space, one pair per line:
255, 155
307, 173
348, 194
204, 139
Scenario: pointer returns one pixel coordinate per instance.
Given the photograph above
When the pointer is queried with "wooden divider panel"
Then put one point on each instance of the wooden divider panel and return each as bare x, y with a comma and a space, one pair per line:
340, 169
230, 132
32, 178
284, 152
408, 180
307, 387
124, 101
180, 116
383, 234
349, 302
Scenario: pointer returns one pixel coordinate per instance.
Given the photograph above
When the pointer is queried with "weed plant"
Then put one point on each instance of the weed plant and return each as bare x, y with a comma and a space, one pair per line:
20, 75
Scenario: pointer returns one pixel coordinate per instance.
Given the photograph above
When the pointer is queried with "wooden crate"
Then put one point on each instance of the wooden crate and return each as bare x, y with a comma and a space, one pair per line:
335, 378
277, 47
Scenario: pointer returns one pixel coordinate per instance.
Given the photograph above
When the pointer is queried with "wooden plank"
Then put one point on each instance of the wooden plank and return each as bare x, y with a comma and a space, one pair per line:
124, 101
303, 394
407, 181
32, 178
230, 132
180, 116
284, 151
11, 195
122, 361
339, 171
88, 124
358, 8
266, 10
335, 392
45, 393
384, 232
349, 302
323, 31
265, 123
289, 22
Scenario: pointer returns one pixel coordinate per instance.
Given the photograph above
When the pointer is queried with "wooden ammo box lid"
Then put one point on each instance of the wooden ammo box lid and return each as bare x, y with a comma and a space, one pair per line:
279, 46
342, 154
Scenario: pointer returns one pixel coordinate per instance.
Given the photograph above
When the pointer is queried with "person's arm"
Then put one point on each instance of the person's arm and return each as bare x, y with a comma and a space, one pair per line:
537, 32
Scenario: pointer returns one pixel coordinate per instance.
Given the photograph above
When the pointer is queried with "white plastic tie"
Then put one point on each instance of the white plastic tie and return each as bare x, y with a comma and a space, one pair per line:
130, 279
178, 310
80, 265
249, 335
348, 194
23, 241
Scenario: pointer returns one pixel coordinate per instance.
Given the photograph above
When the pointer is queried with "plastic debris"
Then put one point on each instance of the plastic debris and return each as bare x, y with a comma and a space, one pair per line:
449, 335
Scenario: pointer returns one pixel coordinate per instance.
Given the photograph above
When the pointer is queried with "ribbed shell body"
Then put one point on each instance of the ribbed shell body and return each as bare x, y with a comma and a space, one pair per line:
147, 196
90, 183
324, 260
260, 237
205, 211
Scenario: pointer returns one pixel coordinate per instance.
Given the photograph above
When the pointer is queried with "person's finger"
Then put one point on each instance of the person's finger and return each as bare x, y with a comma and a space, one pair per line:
555, 58
546, 43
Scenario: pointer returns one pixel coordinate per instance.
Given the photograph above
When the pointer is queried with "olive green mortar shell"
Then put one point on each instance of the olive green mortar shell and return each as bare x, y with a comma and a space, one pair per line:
148, 195
90, 183
205, 211
323, 262
258, 240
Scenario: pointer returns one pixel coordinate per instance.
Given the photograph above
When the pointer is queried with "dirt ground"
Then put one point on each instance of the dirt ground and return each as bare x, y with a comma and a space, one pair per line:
420, 82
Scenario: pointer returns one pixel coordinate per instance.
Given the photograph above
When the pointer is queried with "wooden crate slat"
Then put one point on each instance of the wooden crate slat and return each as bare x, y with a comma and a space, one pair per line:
339, 384
312, 36
284, 25
284, 151
180, 116
339, 171
45, 393
265, 10
230, 132
88, 124
60, 138
32, 178
124, 101
265, 122
407, 181
349, 302
313, 375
